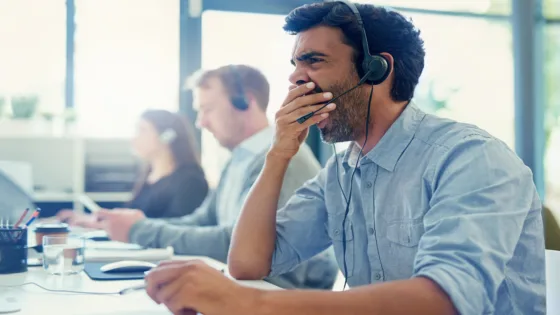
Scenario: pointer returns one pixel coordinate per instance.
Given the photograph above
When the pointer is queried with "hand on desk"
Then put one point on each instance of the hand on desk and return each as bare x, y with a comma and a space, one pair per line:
118, 222
187, 287
75, 219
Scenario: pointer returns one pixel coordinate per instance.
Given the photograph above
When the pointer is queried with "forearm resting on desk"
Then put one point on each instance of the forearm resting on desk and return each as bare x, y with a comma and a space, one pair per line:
416, 296
254, 235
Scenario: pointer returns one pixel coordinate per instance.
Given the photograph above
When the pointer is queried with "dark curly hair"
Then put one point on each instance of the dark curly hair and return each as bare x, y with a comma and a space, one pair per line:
387, 31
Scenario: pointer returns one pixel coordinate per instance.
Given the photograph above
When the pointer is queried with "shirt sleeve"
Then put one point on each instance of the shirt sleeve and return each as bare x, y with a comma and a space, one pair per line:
300, 227
203, 216
482, 196
186, 239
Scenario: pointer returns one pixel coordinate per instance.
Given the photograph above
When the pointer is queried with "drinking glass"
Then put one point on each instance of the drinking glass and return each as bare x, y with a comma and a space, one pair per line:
63, 255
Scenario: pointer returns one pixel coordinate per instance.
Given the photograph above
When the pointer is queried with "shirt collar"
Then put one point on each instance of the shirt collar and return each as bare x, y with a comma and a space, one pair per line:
256, 143
392, 145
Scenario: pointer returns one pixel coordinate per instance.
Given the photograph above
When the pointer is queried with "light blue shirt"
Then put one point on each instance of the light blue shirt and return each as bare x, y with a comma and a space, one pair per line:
207, 232
434, 198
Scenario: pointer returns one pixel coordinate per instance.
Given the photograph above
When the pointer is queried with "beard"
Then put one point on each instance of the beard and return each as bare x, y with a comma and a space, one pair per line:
347, 121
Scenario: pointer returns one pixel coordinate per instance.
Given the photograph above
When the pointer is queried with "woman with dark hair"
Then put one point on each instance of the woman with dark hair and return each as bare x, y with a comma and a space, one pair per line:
172, 183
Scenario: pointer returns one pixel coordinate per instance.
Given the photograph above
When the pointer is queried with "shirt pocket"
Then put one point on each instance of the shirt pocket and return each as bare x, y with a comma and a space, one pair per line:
405, 233
343, 241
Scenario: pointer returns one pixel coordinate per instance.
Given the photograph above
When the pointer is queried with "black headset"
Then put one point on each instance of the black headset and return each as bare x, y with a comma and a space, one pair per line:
239, 99
375, 68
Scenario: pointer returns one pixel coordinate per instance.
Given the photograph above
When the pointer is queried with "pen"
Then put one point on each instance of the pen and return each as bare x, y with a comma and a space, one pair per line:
21, 218
33, 217
139, 287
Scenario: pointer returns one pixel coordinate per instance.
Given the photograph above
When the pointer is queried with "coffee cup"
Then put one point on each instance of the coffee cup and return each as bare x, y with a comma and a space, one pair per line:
50, 229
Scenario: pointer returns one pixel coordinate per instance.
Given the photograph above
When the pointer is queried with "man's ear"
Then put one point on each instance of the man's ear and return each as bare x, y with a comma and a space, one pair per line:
251, 100
390, 61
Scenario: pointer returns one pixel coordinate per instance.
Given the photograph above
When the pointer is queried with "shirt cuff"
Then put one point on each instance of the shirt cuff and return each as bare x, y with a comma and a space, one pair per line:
467, 294
138, 231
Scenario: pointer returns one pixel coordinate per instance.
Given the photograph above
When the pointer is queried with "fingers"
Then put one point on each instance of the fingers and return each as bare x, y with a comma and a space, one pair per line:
175, 305
315, 119
171, 263
295, 115
168, 291
168, 272
297, 92
316, 99
152, 290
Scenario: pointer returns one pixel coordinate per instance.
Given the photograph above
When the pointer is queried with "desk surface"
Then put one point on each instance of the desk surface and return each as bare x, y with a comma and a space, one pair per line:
37, 301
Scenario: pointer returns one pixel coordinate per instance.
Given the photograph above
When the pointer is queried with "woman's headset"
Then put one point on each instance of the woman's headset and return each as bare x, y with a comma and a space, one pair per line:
168, 136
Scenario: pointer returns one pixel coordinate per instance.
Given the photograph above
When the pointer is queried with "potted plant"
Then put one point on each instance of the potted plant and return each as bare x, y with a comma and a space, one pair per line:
24, 107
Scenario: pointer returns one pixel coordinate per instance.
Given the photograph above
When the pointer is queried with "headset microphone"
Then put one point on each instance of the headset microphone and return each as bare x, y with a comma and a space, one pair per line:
305, 117
376, 69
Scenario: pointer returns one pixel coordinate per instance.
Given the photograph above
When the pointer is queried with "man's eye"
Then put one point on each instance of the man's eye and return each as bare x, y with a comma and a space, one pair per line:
313, 60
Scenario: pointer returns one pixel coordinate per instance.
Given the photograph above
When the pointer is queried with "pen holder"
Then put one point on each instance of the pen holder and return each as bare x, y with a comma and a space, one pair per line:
13, 250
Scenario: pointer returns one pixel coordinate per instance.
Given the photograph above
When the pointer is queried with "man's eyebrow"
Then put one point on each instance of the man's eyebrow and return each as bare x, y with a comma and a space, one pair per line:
307, 56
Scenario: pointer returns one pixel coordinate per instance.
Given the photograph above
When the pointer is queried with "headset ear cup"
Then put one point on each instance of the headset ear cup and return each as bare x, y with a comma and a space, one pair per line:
240, 102
168, 136
378, 67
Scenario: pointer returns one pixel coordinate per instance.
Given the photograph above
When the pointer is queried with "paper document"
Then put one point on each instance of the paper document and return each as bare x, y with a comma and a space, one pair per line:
112, 245
151, 254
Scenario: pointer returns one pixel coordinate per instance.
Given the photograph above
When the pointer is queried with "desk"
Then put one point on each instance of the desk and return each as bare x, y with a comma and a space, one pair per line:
35, 300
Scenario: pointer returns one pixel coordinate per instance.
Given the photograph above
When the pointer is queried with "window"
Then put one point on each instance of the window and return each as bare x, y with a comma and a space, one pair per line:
467, 78
551, 9
502, 7
254, 39
126, 60
552, 114
33, 53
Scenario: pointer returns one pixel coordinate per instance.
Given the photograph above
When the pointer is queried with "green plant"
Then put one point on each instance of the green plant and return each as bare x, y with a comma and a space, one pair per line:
437, 96
24, 107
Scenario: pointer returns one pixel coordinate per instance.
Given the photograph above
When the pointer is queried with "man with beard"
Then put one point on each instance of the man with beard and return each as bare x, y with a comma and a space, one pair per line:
426, 215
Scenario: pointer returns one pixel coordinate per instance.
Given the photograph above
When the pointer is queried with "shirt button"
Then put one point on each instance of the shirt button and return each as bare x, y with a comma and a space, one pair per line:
336, 232
368, 185
377, 276
370, 231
